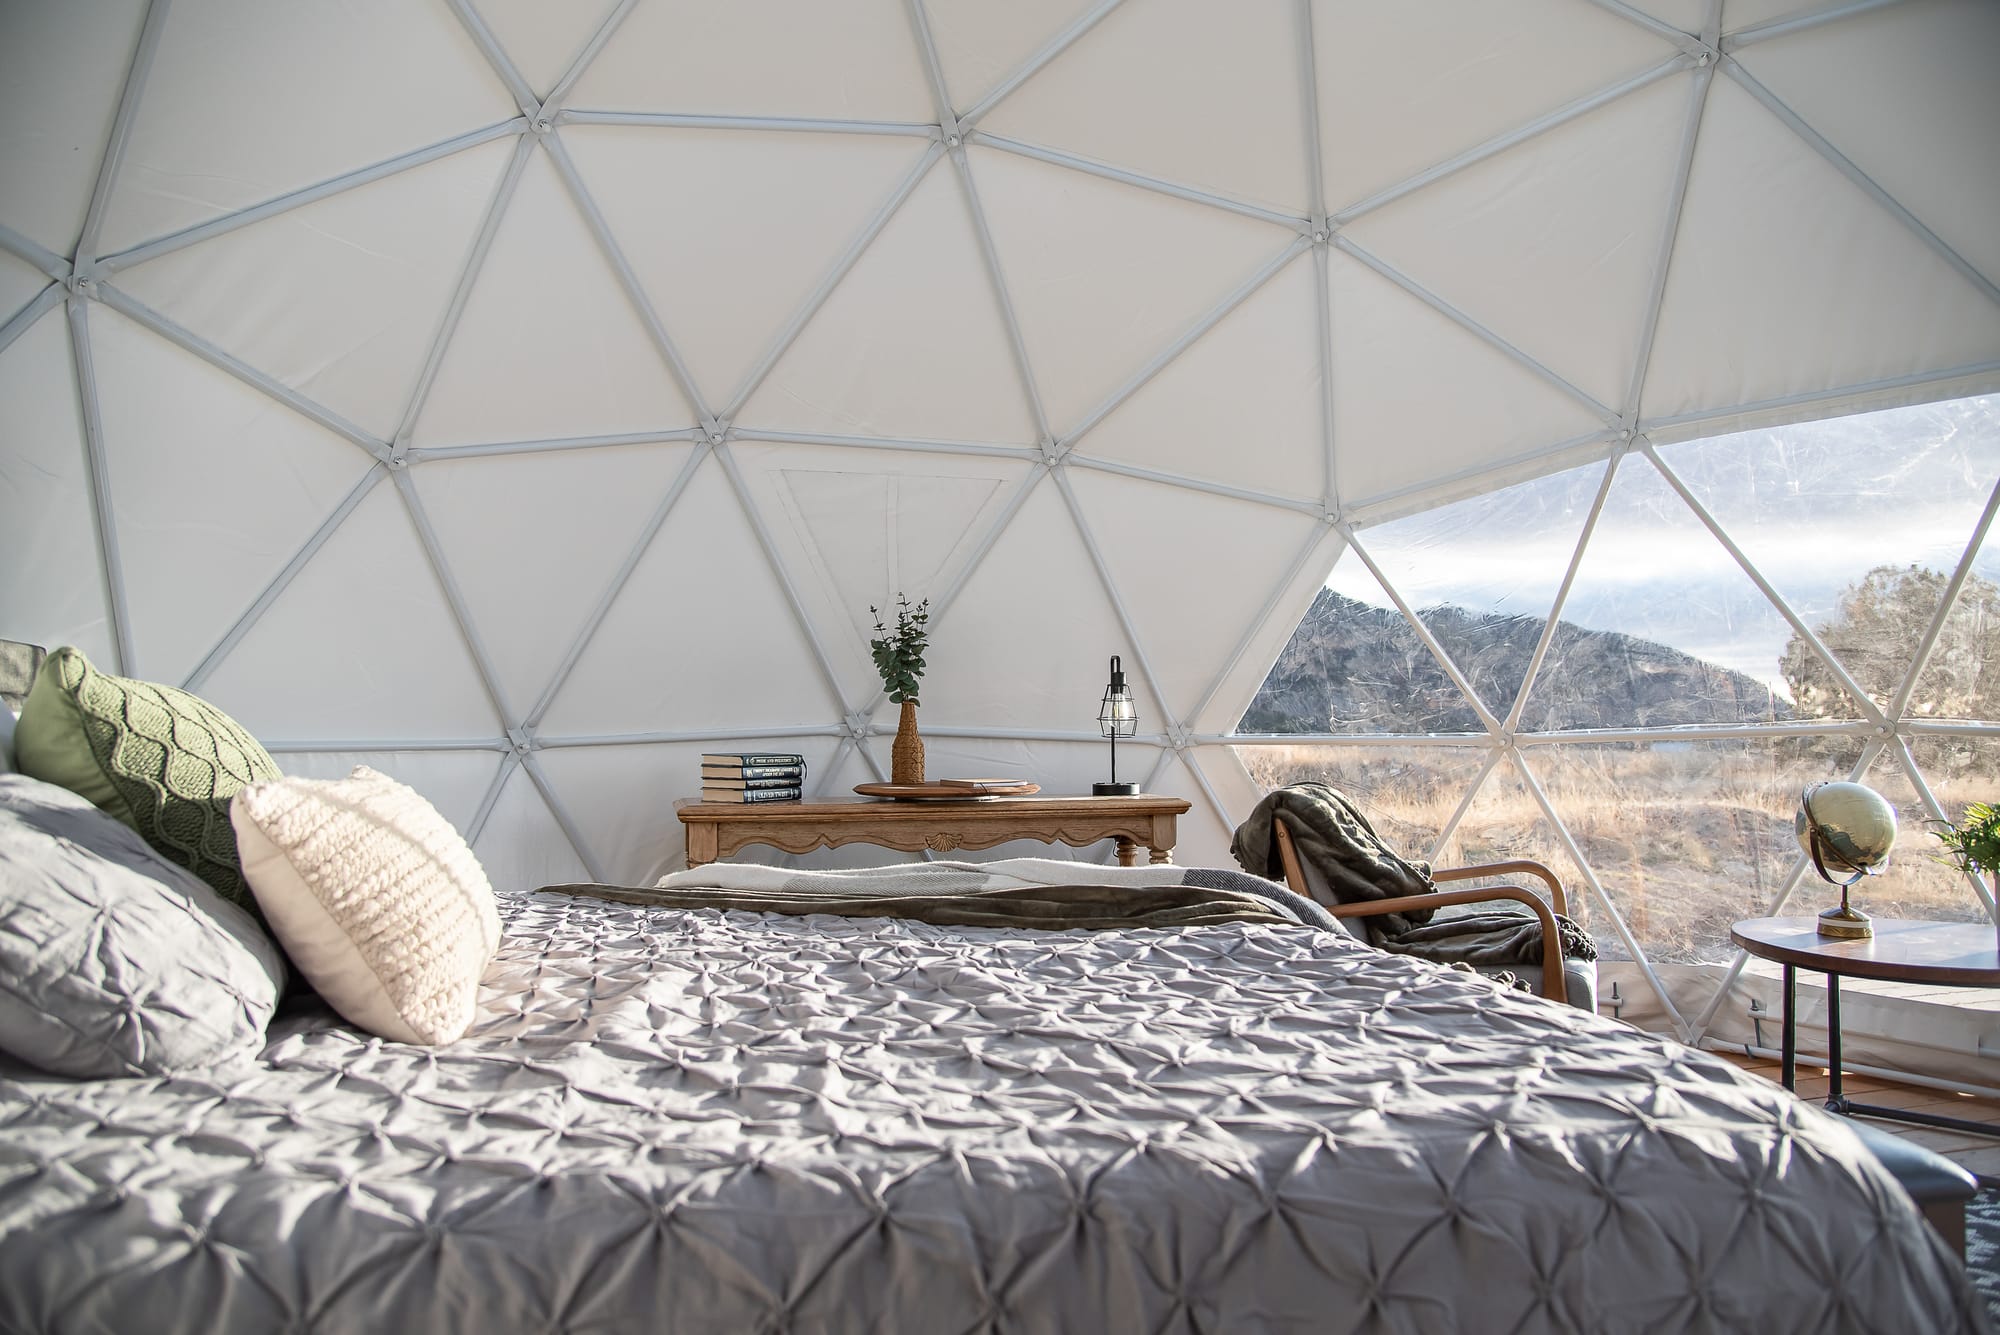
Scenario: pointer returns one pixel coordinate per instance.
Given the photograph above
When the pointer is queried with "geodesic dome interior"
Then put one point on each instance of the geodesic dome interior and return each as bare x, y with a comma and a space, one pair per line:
524, 398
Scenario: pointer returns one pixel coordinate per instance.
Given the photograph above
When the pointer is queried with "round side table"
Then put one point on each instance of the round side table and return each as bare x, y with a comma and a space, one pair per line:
1949, 954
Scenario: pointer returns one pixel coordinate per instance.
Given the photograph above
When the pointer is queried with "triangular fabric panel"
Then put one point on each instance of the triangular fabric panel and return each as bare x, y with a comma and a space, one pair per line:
1200, 826
1662, 627
523, 847
543, 40
20, 283
1238, 793
1504, 240
726, 276
1686, 15
455, 782
1908, 95
348, 291
1740, 14
1180, 559
854, 61
549, 344
1483, 573
402, 76
361, 644
55, 115
1037, 604
1405, 87
51, 577
1182, 90
1265, 353
980, 44
622, 798
195, 554
919, 290
1105, 276
1789, 279
730, 654
1887, 500
533, 539
1245, 680
1417, 396
860, 527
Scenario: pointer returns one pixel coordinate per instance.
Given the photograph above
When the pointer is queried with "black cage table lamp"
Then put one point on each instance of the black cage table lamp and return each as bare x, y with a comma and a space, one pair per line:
1116, 717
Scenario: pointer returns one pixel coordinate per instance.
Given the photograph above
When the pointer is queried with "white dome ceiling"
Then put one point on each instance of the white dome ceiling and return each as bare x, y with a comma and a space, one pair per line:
526, 397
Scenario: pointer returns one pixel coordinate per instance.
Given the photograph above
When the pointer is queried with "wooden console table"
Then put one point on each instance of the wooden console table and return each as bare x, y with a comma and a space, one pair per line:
717, 829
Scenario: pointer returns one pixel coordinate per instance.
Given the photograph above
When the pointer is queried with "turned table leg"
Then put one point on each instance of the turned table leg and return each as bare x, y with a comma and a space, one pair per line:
1128, 852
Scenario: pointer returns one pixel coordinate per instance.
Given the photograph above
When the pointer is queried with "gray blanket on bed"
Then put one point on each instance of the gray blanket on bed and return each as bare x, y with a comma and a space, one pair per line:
706, 1122
1044, 894
1335, 839
1040, 908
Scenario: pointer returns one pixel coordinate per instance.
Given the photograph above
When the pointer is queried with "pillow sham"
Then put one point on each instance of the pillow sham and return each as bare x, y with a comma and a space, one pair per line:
113, 961
374, 896
161, 760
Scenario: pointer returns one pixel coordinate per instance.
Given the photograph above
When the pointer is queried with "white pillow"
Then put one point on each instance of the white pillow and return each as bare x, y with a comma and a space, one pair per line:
375, 897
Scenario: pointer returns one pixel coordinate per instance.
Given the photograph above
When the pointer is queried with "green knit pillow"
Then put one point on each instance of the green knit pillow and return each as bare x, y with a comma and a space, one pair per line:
159, 759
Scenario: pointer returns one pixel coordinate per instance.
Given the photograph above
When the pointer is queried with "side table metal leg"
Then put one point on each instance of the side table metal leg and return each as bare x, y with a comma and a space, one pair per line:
1788, 1062
1834, 1101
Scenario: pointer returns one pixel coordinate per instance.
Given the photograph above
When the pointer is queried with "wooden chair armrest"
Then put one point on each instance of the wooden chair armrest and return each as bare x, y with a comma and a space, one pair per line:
1519, 866
1288, 853
1554, 985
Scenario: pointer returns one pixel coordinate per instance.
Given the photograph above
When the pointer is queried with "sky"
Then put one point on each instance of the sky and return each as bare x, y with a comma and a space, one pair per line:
1815, 506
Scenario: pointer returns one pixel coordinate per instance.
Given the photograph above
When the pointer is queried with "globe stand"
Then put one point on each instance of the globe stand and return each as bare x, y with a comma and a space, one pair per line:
1846, 922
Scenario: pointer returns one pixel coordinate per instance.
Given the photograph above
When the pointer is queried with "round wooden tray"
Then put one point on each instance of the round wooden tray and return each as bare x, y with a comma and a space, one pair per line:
940, 792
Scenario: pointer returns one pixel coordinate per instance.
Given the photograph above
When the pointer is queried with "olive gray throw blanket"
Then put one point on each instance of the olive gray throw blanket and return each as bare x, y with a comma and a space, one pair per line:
1336, 840
1039, 894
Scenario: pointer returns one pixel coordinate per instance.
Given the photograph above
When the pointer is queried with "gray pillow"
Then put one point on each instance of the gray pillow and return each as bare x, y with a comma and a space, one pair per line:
114, 961
6, 740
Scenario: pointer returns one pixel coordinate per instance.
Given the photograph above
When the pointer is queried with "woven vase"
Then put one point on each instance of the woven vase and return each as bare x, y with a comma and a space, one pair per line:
906, 758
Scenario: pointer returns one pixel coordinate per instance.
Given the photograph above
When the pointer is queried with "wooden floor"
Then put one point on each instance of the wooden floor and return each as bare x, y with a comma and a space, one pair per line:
1976, 1154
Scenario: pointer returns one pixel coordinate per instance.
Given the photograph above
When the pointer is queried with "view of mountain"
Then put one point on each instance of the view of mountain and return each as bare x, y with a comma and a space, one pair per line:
1353, 668
1814, 506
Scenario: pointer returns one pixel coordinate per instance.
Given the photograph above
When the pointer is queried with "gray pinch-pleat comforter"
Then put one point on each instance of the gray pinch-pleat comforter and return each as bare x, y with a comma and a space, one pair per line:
703, 1121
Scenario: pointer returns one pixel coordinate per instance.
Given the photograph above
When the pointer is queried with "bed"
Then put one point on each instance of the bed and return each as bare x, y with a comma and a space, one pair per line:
698, 1120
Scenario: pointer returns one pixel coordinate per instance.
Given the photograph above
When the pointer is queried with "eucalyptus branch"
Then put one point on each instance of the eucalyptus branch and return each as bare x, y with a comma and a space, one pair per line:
899, 653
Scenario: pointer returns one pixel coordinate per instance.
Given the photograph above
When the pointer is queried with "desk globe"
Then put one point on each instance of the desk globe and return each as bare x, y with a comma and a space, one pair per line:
1847, 829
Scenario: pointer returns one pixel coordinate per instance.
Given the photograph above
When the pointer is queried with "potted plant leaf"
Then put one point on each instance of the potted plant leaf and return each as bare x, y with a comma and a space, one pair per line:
899, 658
1973, 844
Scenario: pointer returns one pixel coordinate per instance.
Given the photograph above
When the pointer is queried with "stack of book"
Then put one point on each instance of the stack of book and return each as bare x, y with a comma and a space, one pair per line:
752, 777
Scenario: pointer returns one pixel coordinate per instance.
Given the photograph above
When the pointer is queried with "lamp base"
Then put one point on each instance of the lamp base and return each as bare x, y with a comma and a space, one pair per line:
1846, 922
1114, 790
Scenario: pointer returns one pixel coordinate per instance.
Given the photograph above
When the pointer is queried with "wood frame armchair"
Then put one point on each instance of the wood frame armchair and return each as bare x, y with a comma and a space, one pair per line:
1554, 986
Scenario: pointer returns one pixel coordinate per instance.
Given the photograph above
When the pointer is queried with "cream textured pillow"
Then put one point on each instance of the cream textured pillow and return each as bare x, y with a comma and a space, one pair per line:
375, 897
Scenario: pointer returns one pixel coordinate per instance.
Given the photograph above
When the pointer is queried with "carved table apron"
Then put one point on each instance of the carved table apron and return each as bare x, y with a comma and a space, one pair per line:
717, 829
